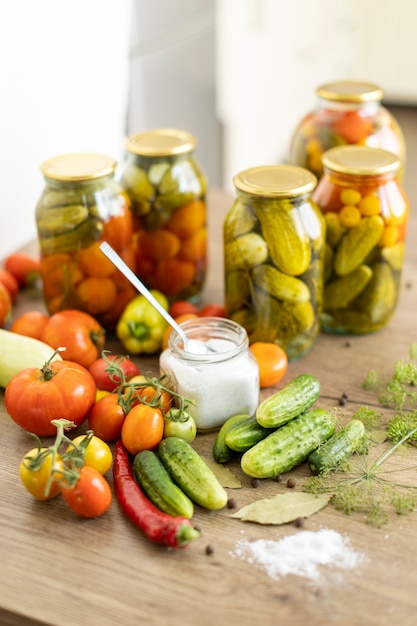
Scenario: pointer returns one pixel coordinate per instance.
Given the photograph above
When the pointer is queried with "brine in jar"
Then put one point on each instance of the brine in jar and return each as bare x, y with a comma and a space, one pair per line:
273, 257
366, 213
81, 206
167, 189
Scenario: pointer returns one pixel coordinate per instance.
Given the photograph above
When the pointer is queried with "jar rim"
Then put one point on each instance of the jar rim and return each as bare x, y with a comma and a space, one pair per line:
350, 91
205, 329
161, 142
360, 160
78, 166
275, 181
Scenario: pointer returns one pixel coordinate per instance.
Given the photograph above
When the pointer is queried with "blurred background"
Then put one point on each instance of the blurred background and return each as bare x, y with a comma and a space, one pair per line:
239, 74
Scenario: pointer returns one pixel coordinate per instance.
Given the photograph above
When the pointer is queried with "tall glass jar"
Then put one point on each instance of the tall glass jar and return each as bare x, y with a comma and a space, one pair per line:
223, 380
167, 189
273, 257
347, 112
81, 206
366, 213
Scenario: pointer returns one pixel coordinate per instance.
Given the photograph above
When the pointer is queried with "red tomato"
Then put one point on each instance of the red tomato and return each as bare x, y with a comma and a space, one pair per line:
142, 429
106, 417
24, 267
30, 324
9, 281
212, 310
182, 307
61, 389
5, 305
91, 494
102, 377
78, 332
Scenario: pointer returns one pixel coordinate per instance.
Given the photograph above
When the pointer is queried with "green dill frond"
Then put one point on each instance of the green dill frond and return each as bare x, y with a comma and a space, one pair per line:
413, 352
401, 425
372, 380
369, 417
405, 373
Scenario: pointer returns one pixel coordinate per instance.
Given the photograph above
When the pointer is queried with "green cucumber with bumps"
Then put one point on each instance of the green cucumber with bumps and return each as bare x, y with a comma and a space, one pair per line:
191, 473
338, 448
157, 484
221, 451
289, 445
245, 435
295, 398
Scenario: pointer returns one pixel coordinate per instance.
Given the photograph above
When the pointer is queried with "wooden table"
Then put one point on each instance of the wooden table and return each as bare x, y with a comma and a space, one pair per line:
60, 570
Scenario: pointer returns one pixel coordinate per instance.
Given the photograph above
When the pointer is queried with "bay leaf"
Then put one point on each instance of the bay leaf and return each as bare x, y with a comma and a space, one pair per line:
282, 508
223, 474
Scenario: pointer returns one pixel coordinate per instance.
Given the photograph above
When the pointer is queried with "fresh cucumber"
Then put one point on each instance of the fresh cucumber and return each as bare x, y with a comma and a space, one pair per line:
245, 435
338, 448
289, 445
289, 402
191, 473
157, 484
221, 451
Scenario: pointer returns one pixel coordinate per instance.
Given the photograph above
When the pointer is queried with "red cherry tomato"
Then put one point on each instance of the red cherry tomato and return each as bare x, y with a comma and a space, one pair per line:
212, 310
9, 281
5, 305
90, 496
104, 380
106, 417
24, 267
182, 307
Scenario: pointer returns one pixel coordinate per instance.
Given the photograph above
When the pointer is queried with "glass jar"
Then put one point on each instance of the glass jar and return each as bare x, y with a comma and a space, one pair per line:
81, 206
167, 189
347, 112
273, 257
221, 382
366, 213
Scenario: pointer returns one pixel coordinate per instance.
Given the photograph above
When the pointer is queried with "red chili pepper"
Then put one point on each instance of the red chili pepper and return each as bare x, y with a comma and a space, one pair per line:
175, 532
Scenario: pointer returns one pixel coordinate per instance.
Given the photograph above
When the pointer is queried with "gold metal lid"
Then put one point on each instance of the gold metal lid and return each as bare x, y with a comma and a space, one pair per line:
275, 181
360, 160
78, 167
350, 91
161, 142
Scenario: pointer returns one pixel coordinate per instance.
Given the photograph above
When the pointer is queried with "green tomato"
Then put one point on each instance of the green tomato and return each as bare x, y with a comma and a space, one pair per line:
179, 423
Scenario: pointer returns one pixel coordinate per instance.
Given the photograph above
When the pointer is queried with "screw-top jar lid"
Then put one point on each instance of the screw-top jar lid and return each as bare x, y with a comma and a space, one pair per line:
360, 160
161, 142
78, 167
275, 181
350, 91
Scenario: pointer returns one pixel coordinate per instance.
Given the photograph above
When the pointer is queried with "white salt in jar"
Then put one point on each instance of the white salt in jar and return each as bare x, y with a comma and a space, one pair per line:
217, 371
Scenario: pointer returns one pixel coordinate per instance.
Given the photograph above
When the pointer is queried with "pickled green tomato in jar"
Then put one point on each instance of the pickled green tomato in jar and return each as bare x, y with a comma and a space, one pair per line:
167, 189
347, 112
273, 257
366, 214
81, 206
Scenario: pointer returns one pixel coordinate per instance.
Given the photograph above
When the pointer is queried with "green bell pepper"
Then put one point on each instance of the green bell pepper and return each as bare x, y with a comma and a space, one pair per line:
141, 327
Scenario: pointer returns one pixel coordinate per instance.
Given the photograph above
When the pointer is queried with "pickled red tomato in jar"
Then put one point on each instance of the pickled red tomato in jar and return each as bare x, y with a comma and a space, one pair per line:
347, 112
81, 206
167, 189
366, 213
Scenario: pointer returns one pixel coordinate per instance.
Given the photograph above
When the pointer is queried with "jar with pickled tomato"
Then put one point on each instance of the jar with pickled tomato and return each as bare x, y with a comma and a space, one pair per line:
81, 206
366, 213
273, 257
347, 112
167, 189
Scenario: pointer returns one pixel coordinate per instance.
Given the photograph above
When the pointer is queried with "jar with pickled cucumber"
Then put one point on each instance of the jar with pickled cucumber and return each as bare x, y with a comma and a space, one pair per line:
167, 189
273, 257
347, 112
81, 206
366, 212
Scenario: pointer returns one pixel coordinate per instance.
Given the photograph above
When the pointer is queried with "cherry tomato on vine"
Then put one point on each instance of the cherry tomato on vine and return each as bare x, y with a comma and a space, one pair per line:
181, 424
90, 496
142, 429
272, 361
107, 416
35, 471
103, 378
97, 453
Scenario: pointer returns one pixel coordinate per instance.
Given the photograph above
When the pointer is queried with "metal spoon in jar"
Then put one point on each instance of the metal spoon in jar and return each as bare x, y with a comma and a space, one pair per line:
136, 282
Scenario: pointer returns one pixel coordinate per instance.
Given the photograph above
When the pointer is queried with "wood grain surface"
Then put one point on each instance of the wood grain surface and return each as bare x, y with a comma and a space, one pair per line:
60, 570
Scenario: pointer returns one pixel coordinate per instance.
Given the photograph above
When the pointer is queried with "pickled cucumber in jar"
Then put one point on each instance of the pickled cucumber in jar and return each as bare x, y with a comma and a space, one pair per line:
273, 257
167, 190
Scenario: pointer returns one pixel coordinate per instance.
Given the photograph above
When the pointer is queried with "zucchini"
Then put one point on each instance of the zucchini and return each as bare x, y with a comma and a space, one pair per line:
158, 485
18, 352
338, 448
289, 445
289, 402
221, 451
191, 473
245, 435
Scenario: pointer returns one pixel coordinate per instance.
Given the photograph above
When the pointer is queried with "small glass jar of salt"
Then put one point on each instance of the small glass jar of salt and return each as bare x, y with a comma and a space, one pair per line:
217, 371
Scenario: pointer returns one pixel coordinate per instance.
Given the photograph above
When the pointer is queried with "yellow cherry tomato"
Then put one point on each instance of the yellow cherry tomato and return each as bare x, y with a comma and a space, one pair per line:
97, 453
40, 473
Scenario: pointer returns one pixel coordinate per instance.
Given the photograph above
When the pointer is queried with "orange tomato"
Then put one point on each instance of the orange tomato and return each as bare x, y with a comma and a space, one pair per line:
142, 429
157, 398
9, 281
272, 361
30, 324
96, 295
5, 305
118, 230
91, 496
352, 127
168, 330
59, 273
24, 267
187, 219
174, 276
182, 307
93, 262
158, 244
194, 248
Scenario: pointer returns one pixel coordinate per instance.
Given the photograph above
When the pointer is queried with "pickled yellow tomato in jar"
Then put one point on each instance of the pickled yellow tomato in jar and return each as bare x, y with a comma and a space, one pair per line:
81, 206
167, 189
273, 257
366, 213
